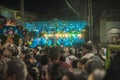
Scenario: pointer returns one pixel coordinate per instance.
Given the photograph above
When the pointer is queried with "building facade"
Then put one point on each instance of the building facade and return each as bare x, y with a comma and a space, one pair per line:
15, 15
110, 27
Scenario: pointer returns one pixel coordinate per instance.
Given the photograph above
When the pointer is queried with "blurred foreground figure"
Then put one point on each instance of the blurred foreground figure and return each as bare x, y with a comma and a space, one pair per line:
113, 71
15, 70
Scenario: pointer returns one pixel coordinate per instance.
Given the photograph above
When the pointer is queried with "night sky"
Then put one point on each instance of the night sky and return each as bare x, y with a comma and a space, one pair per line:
46, 6
39, 6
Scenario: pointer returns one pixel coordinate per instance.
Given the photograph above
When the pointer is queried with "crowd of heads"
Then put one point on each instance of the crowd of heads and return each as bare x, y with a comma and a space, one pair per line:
57, 63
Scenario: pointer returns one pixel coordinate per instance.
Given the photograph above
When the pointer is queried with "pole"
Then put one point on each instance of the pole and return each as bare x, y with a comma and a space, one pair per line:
90, 20
22, 11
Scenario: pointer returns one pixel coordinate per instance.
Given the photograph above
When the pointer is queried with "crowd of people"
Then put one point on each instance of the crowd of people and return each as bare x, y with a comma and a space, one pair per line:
57, 63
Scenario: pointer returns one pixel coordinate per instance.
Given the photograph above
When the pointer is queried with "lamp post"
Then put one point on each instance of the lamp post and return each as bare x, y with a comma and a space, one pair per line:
22, 11
90, 20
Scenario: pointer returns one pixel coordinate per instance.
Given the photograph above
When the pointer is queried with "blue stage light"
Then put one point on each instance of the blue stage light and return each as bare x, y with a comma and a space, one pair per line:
53, 28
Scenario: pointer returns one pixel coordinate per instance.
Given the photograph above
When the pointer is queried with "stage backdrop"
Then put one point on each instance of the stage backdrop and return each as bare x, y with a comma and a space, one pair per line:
57, 32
